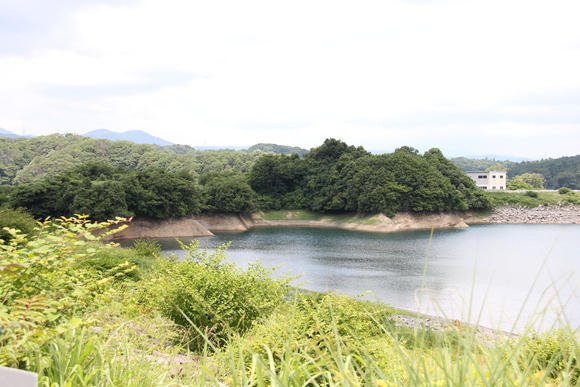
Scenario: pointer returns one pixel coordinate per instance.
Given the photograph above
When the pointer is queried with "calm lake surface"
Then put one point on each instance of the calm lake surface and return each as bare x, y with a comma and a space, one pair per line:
497, 275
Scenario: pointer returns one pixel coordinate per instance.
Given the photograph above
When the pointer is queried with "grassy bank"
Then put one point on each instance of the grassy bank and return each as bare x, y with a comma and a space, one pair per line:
305, 215
533, 198
81, 313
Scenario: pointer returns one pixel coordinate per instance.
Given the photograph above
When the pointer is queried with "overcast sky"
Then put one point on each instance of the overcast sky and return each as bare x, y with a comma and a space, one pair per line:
467, 76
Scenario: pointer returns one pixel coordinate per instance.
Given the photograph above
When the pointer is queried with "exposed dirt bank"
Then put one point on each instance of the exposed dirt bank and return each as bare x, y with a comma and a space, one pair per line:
169, 228
204, 224
375, 223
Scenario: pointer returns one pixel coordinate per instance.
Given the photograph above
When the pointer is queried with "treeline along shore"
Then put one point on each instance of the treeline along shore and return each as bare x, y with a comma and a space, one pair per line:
176, 192
333, 177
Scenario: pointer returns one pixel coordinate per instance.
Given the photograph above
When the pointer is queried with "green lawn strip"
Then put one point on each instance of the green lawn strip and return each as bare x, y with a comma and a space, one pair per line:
308, 215
526, 199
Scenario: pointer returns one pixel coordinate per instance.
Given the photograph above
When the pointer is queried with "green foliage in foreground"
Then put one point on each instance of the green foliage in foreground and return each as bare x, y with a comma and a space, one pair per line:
43, 292
77, 325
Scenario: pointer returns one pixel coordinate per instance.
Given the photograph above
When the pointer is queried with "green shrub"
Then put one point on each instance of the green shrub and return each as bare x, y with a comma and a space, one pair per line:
206, 293
564, 190
531, 194
18, 219
555, 352
105, 261
147, 247
314, 322
572, 199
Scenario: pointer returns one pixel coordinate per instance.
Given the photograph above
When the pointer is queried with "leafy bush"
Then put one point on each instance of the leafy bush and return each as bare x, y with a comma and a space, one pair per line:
555, 352
142, 256
572, 198
211, 295
18, 219
518, 184
105, 261
147, 247
531, 194
314, 321
564, 190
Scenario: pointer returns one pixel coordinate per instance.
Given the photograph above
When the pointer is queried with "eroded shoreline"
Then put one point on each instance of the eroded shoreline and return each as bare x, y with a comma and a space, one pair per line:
204, 224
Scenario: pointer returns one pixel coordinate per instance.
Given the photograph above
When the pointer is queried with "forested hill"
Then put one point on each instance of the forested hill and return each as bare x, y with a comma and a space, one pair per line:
26, 160
560, 172
150, 181
469, 164
557, 173
338, 177
279, 149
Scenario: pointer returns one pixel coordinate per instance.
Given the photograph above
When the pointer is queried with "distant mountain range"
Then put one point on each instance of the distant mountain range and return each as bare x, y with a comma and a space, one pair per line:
7, 133
215, 147
136, 136
141, 137
499, 157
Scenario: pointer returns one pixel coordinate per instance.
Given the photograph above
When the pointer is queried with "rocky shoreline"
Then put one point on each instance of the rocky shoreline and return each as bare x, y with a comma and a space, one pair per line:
427, 322
559, 214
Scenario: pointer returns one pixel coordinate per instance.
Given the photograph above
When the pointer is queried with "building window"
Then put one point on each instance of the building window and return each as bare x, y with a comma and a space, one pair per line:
501, 187
501, 176
493, 187
493, 176
481, 177
484, 187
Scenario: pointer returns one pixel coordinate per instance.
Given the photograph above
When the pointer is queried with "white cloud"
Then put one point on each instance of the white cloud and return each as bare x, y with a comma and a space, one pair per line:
377, 73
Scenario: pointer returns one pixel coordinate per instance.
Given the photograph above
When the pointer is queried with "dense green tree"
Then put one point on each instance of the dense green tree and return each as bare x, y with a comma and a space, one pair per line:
105, 192
102, 199
227, 192
470, 196
41, 198
566, 179
535, 180
167, 195
370, 186
429, 190
518, 184
323, 183
276, 174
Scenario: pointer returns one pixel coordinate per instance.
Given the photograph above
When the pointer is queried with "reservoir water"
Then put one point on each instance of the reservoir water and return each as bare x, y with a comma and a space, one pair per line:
500, 276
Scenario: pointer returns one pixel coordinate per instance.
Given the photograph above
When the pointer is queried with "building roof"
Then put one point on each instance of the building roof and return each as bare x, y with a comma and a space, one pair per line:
485, 172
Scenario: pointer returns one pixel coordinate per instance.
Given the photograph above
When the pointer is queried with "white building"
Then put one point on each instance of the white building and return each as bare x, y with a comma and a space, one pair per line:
489, 180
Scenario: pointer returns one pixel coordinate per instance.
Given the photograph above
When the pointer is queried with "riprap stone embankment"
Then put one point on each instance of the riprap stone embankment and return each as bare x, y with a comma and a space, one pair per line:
559, 214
